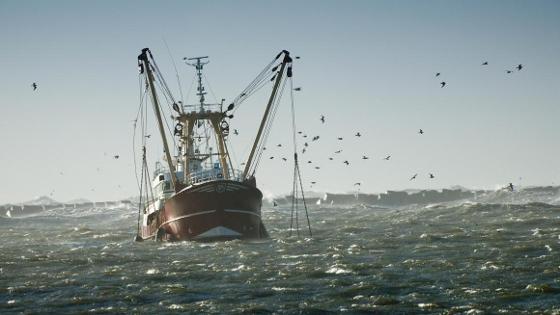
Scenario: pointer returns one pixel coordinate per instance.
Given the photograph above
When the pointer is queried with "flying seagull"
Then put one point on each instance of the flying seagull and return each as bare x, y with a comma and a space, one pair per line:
387, 157
34, 85
235, 132
339, 138
116, 156
421, 131
358, 134
317, 167
484, 63
437, 74
279, 145
346, 162
509, 71
331, 158
322, 119
297, 89
365, 157
284, 159
303, 151
271, 157
338, 151
519, 67
413, 177
431, 175
148, 136
315, 138
442, 83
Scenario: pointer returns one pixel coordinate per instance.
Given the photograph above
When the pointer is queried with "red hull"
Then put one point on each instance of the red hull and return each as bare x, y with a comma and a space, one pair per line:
216, 210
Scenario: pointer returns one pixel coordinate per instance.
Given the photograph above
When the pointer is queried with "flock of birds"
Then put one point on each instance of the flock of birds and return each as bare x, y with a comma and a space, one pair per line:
358, 134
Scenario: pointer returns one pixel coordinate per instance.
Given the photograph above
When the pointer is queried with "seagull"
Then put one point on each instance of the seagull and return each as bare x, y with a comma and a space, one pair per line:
421, 131
235, 132
303, 151
437, 74
387, 157
432, 175
484, 63
519, 67
510, 186
271, 157
315, 138
509, 71
365, 157
300, 132
331, 158
346, 162
413, 177
305, 136
34, 85
442, 83
337, 151
358, 134
148, 136
274, 204
317, 167
279, 145
309, 162
339, 138
284, 159
313, 183
357, 184
297, 89
306, 144
264, 148
322, 119
116, 156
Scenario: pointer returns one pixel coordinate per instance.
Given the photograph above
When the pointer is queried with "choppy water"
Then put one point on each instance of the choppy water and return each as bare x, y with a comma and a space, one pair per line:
467, 258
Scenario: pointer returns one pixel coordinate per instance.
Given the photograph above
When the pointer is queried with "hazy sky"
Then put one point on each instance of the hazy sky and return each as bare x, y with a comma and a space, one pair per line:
368, 66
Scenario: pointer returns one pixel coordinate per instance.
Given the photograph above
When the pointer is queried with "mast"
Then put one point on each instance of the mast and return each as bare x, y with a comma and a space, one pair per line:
287, 59
145, 66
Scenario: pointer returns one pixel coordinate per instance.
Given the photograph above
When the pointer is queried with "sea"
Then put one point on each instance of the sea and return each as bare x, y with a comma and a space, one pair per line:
487, 256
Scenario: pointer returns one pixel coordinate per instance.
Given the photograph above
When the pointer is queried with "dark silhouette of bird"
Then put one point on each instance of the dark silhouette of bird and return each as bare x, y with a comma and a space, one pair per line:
485, 63
337, 151
315, 138
413, 177
421, 131
317, 167
297, 57
297, 89
279, 145
116, 156
305, 136
303, 151
431, 175
510, 186
242, 163
264, 148
519, 67
34, 85
284, 159
235, 132
364, 157
346, 162
148, 136
437, 74
306, 144
274, 204
331, 158
322, 119
387, 157
509, 71
271, 157
309, 162
300, 132
357, 184
358, 134
339, 138
443, 83
313, 183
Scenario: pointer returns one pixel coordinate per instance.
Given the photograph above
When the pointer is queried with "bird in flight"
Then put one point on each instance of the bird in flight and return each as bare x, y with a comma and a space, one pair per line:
34, 85
387, 157
519, 67
279, 145
284, 159
300, 132
313, 183
413, 177
509, 71
116, 156
303, 151
331, 158
315, 138
421, 131
305, 136
357, 184
358, 134
510, 186
337, 151
346, 162
322, 119
309, 162
297, 89
443, 83
431, 175
317, 167
339, 138
306, 144
274, 204
235, 132
484, 63
271, 157
365, 157
437, 74
148, 136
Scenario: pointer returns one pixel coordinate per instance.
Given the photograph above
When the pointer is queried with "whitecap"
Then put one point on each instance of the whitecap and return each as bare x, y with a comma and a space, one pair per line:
338, 271
152, 271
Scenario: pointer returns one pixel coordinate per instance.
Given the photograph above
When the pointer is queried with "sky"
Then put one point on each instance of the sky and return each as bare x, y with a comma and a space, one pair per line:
368, 66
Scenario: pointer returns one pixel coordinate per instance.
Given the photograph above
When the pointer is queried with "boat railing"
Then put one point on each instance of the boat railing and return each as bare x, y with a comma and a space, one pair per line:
216, 174
207, 108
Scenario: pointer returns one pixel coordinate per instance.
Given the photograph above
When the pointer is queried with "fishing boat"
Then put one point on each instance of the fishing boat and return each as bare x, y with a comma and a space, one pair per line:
196, 193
